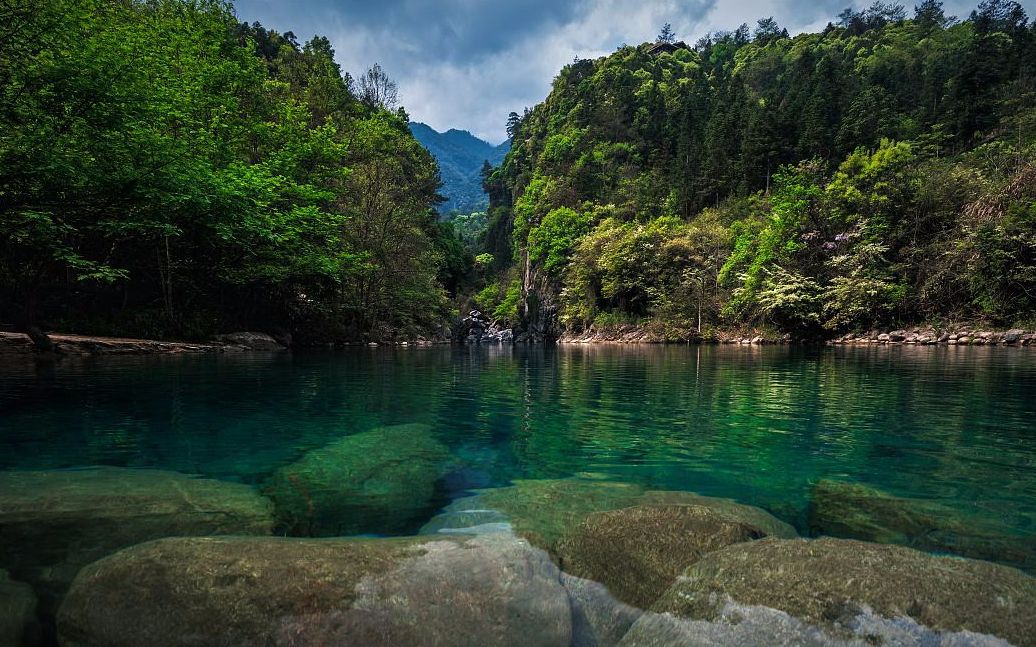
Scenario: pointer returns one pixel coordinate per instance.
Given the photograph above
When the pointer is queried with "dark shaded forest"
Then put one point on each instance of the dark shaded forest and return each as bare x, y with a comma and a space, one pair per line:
166, 171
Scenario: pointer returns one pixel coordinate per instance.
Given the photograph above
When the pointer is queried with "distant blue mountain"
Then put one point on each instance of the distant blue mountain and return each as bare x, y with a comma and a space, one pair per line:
460, 155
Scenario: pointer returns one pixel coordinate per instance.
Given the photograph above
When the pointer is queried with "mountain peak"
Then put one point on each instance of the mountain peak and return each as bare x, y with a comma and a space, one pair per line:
460, 155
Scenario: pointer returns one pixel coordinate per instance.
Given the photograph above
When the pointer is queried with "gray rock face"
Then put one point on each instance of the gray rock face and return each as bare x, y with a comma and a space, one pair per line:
856, 511
741, 625
598, 619
381, 481
54, 523
1013, 336
17, 613
251, 341
494, 590
831, 582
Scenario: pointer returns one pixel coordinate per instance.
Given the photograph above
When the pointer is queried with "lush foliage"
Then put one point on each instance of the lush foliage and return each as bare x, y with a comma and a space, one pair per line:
165, 170
878, 172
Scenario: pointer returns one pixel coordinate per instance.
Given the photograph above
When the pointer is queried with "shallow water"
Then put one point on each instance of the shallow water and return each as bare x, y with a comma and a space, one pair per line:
759, 425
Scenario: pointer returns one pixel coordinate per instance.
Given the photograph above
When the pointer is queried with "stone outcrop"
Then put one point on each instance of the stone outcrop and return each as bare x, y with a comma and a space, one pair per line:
85, 345
856, 511
639, 552
54, 523
476, 328
929, 336
251, 341
18, 626
382, 480
493, 590
842, 585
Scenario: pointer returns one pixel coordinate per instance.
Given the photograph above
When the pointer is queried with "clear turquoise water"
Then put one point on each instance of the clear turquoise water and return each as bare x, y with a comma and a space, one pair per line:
755, 424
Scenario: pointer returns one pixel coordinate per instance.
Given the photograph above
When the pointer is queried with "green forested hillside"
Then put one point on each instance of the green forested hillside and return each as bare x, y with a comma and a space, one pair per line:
460, 156
880, 172
167, 171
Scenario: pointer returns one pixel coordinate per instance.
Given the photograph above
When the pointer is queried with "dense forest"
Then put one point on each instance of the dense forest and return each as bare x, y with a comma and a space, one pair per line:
881, 172
167, 171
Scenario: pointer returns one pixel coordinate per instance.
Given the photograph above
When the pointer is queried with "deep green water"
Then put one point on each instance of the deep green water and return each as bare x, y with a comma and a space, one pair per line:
755, 424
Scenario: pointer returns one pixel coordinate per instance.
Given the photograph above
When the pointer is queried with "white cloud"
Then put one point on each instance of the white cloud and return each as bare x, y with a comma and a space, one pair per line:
467, 63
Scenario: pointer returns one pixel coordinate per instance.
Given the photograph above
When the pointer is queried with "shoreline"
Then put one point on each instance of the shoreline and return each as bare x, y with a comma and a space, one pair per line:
12, 343
15, 343
922, 336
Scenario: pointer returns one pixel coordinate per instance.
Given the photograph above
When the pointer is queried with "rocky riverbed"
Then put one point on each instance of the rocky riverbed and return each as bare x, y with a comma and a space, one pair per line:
111, 556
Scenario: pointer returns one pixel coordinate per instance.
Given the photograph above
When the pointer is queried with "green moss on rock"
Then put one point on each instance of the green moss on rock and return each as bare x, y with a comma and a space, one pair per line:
264, 591
639, 552
54, 523
856, 511
544, 511
376, 481
826, 581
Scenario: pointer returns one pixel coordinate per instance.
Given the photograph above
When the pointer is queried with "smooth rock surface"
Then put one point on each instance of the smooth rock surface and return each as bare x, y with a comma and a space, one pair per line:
598, 619
382, 481
17, 613
639, 552
544, 511
54, 523
248, 591
744, 626
831, 582
251, 341
856, 511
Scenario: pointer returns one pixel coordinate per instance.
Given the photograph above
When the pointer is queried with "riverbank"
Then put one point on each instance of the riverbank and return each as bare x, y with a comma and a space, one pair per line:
921, 336
20, 343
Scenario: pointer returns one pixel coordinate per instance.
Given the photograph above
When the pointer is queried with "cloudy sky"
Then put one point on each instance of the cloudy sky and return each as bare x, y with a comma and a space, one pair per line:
467, 63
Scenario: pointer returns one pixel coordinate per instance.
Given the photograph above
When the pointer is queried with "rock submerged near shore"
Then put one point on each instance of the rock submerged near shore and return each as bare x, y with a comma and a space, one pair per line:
380, 481
54, 523
579, 561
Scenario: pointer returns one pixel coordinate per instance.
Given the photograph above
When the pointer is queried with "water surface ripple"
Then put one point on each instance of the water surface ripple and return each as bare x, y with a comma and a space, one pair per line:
760, 425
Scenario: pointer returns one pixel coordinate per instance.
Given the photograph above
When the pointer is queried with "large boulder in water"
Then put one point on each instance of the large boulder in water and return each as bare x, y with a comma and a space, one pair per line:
852, 589
856, 511
545, 511
379, 481
639, 552
17, 613
54, 523
492, 590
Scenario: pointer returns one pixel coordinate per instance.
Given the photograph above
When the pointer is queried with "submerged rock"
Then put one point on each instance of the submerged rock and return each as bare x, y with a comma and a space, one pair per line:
856, 511
544, 511
493, 590
377, 481
739, 625
54, 523
466, 516
639, 552
17, 613
598, 619
832, 583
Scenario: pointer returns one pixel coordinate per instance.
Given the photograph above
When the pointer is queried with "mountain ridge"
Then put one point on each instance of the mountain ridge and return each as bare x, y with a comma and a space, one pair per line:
460, 155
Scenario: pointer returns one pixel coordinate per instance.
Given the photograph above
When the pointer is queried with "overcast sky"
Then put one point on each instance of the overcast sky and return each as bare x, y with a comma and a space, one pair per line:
467, 63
